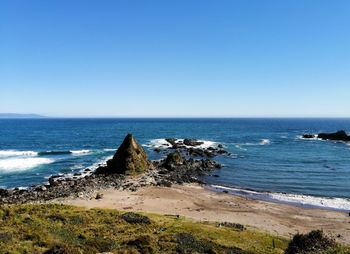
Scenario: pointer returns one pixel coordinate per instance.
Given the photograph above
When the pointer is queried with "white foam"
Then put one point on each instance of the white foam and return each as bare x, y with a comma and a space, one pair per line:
21, 164
80, 151
163, 144
103, 161
265, 142
158, 143
299, 199
334, 203
9, 153
314, 138
261, 143
241, 148
207, 144
110, 149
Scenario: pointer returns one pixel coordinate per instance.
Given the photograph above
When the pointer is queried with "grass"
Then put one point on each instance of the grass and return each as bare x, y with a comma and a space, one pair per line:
65, 229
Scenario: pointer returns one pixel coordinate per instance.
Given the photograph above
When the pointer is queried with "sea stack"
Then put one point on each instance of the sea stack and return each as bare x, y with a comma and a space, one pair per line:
130, 159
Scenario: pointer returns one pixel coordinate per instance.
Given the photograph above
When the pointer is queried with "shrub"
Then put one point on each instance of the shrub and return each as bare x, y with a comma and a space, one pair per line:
188, 243
315, 241
135, 218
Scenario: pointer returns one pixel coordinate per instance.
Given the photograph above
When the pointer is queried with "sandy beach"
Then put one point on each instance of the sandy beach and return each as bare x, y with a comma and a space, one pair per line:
196, 202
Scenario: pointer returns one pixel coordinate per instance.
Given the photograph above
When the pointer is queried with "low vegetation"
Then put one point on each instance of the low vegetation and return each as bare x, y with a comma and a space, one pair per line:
314, 242
61, 229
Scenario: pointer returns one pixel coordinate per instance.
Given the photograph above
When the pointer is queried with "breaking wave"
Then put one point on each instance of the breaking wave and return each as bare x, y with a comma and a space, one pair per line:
80, 151
21, 164
13, 153
14, 160
9, 153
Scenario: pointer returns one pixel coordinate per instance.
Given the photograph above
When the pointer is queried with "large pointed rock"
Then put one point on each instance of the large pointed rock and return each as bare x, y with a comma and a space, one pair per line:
130, 159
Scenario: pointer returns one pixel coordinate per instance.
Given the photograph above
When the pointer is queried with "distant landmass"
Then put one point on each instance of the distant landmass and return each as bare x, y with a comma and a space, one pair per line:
14, 115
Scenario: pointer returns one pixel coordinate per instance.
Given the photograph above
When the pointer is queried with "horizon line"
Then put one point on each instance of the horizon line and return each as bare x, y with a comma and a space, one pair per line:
40, 116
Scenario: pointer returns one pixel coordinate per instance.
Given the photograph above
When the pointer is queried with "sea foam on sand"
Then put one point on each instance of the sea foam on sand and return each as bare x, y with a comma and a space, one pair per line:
298, 199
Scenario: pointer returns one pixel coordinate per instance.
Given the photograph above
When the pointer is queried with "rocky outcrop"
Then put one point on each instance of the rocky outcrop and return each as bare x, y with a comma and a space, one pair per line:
130, 159
189, 171
61, 187
192, 142
338, 136
309, 136
173, 160
194, 148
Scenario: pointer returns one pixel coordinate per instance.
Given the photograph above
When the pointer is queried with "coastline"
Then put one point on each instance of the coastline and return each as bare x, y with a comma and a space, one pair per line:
172, 186
195, 201
300, 200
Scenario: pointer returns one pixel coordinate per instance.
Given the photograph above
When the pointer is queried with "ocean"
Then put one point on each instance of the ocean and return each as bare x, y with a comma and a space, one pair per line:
269, 160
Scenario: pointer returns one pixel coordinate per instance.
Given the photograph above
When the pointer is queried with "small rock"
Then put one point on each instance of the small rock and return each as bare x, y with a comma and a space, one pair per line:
157, 150
99, 196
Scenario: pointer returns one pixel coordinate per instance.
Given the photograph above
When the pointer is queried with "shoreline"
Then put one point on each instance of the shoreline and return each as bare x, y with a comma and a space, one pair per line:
267, 196
194, 201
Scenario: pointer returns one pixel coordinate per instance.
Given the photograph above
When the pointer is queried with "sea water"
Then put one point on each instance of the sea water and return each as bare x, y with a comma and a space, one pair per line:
269, 158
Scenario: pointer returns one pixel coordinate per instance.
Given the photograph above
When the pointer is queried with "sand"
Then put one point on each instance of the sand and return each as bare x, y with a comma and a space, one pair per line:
196, 202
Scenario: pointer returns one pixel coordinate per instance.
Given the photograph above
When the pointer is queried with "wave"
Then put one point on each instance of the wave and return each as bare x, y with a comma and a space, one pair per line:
163, 144
298, 199
54, 153
13, 153
22, 164
241, 148
80, 151
82, 169
9, 153
262, 142
110, 149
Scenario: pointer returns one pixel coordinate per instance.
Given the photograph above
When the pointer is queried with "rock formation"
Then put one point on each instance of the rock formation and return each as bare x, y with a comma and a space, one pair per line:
172, 160
309, 136
339, 135
192, 142
130, 159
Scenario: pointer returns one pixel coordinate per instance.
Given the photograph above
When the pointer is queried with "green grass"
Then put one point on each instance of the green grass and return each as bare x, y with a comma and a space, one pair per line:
66, 229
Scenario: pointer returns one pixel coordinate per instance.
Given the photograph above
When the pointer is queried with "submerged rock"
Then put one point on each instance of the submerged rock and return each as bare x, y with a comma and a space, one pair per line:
130, 159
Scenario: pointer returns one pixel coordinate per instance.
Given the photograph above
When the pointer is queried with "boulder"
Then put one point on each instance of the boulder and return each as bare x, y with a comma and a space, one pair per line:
338, 136
309, 136
171, 141
130, 159
192, 142
172, 160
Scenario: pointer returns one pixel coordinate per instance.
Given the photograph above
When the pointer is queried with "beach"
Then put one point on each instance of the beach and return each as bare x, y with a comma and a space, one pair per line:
196, 202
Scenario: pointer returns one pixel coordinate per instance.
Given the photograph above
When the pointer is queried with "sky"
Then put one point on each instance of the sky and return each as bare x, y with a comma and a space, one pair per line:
175, 58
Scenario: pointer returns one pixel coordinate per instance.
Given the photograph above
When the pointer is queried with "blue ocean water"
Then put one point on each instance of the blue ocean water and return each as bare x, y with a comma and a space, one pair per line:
268, 155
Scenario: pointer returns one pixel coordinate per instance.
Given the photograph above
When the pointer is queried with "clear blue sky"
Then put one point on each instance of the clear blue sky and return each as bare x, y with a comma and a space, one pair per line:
175, 58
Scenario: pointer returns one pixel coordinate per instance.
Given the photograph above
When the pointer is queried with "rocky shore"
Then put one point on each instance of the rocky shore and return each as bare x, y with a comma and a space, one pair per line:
129, 169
